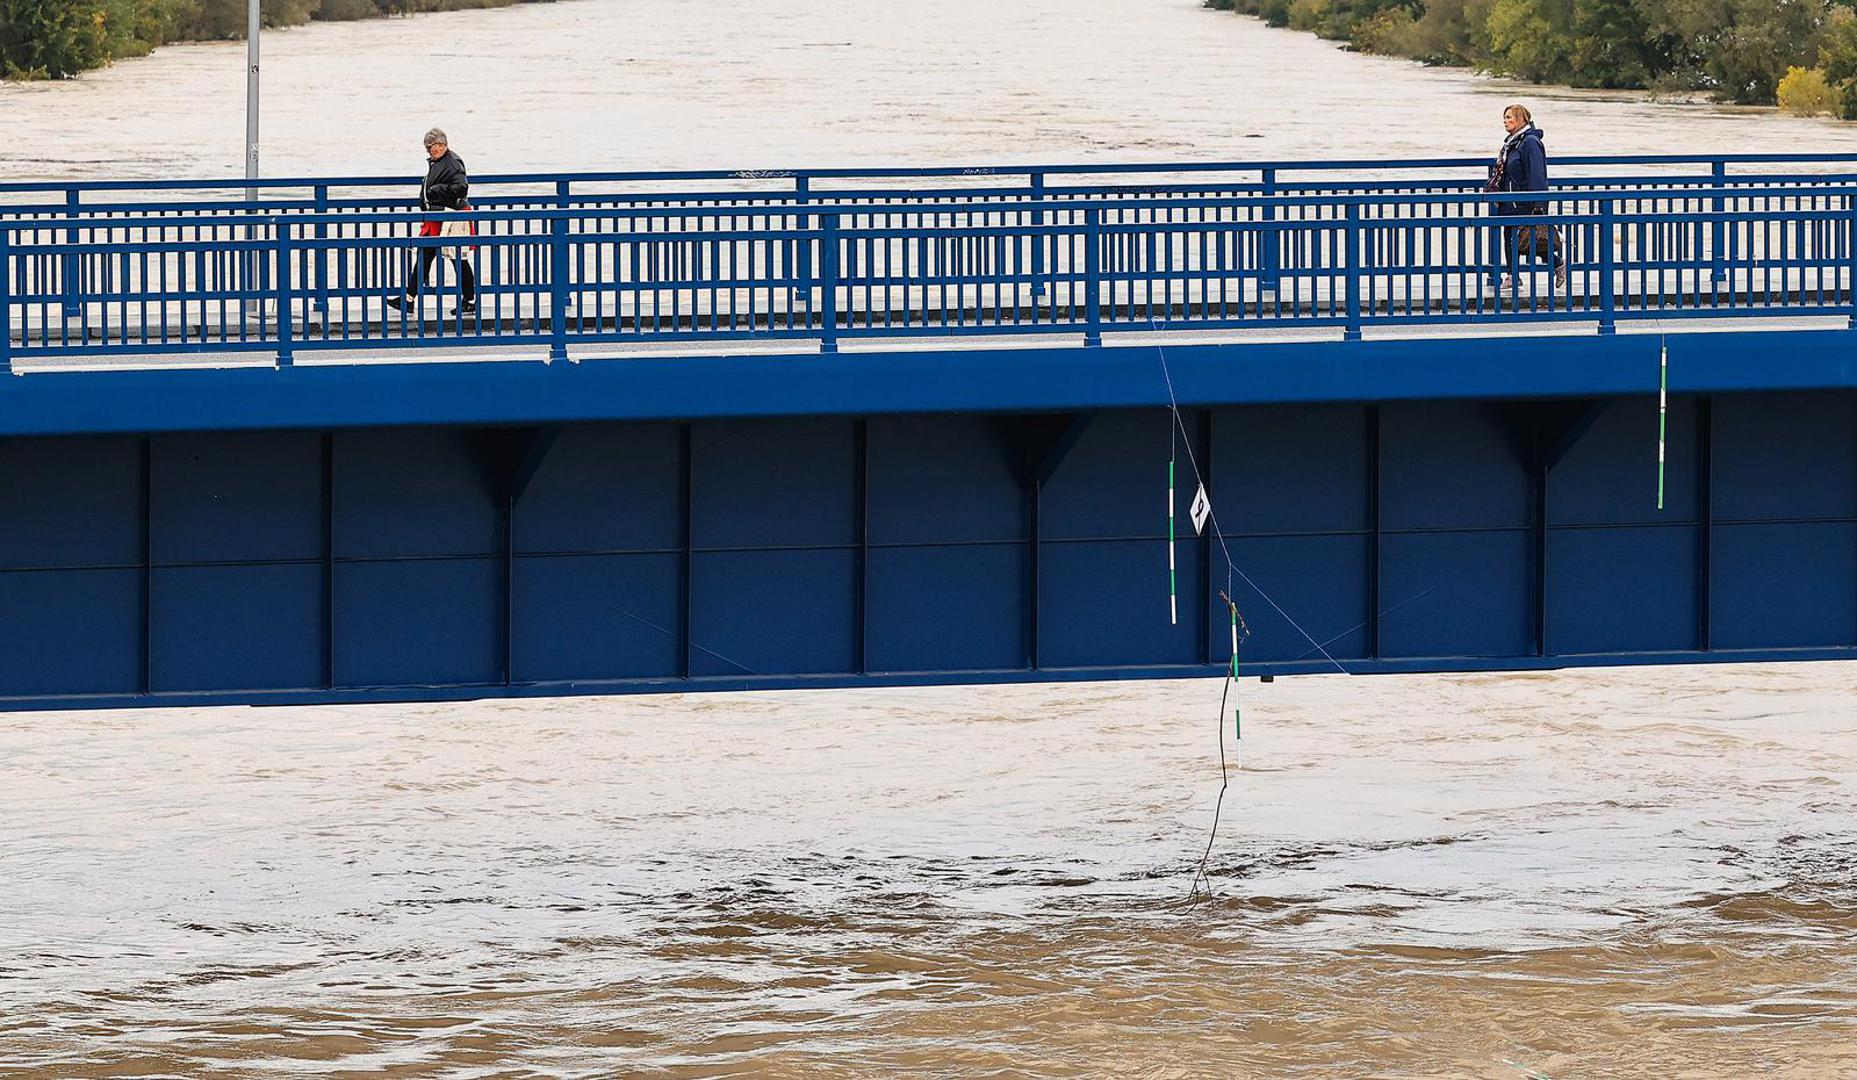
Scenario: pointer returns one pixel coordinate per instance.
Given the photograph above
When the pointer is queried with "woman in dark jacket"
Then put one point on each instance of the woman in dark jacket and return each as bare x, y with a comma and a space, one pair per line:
446, 187
1521, 165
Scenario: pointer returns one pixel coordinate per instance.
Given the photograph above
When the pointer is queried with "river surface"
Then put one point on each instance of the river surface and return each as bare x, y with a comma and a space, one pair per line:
743, 84
1611, 873
1599, 873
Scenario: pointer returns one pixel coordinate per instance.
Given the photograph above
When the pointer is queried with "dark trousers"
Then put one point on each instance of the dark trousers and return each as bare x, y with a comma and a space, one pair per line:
1514, 243
416, 275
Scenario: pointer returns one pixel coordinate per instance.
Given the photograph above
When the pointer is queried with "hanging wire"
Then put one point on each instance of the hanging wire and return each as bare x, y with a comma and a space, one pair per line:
1202, 882
1231, 567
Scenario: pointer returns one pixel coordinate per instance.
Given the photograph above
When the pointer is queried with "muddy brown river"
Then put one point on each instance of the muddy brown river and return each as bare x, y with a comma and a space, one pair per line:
1598, 873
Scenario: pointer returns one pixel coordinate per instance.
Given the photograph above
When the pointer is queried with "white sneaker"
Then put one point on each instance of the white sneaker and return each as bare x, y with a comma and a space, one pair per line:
1505, 287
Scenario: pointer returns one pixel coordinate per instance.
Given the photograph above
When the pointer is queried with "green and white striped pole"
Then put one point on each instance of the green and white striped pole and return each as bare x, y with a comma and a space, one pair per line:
1173, 595
1663, 408
1237, 710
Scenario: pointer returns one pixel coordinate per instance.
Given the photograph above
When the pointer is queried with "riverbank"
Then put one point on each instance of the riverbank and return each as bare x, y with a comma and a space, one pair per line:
1799, 55
59, 39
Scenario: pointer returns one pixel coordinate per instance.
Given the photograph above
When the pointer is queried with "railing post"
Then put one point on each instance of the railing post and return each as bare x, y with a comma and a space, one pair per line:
557, 286
1038, 238
1351, 280
1850, 257
285, 324
1608, 322
6, 301
73, 267
1270, 243
1718, 241
828, 283
1093, 276
319, 265
563, 201
802, 252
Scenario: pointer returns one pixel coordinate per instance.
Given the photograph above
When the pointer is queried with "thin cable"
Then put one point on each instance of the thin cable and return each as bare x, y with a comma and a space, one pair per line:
1231, 566
635, 617
1202, 881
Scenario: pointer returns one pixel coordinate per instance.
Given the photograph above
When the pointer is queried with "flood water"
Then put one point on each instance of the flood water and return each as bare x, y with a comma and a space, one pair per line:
1600, 873
1610, 873
759, 84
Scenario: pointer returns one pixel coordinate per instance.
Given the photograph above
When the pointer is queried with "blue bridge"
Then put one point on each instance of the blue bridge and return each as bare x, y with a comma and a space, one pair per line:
838, 427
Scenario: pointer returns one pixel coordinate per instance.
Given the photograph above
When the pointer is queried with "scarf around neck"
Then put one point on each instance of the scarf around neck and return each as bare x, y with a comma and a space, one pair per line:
1512, 141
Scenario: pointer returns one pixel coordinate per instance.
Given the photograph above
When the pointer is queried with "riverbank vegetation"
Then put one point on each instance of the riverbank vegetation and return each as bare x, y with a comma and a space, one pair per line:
56, 39
1799, 54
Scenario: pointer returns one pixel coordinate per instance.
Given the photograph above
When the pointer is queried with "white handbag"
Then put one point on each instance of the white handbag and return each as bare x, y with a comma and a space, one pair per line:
453, 227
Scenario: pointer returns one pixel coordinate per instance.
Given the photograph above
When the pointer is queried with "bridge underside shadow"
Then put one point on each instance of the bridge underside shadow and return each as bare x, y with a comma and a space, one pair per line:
846, 543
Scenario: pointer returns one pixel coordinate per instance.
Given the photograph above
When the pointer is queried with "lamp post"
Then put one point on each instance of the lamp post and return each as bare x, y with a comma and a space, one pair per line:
249, 263
251, 98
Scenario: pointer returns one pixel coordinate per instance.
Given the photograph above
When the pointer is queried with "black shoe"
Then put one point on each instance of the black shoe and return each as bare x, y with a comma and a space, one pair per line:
397, 302
467, 311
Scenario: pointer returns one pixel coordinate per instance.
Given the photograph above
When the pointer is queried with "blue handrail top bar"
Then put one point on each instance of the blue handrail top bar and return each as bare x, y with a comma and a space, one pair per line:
930, 171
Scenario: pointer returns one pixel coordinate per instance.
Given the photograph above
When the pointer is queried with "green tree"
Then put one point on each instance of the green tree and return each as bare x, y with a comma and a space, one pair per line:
52, 39
1611, 46
1837, 54
1531, 38
1742, 48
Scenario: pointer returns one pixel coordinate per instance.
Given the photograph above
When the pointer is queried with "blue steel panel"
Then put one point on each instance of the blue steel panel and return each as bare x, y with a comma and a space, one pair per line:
237, 627
1609, 477
597, 617
1784, 585
605, 487
771, 612
1785, 456
70, 632
937, 479
1456, 594
1103, 602
1622, 589
954, 608
1113, 484
1320, 581
1290, 469
235, 496
70, 502
411, 491
1451, 465
417, 622
773, 483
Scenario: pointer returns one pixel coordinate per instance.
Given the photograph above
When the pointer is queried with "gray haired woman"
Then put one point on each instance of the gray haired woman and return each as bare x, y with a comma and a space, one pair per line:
446, 187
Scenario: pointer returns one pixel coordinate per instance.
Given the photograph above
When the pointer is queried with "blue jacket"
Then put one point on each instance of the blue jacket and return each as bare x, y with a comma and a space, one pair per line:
1524, 170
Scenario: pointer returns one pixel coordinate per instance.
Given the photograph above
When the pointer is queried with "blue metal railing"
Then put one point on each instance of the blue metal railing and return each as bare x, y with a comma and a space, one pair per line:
556, 271
1270, 175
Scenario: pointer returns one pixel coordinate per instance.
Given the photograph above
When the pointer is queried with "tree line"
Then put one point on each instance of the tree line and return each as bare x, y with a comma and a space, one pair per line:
56, 39
1799, 54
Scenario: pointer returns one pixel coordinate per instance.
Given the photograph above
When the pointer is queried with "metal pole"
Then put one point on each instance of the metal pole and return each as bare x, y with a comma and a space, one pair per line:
251, 98
249, 262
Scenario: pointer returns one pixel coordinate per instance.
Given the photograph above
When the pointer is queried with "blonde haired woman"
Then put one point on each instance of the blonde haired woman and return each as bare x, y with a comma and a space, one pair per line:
1521, 165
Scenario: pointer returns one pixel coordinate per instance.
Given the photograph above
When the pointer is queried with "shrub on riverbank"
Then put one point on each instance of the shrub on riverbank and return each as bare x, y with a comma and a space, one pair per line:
1738, 50
1805, 92
56, 39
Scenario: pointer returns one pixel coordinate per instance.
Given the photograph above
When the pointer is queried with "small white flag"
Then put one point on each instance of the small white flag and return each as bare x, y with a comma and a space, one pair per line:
1202, 509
